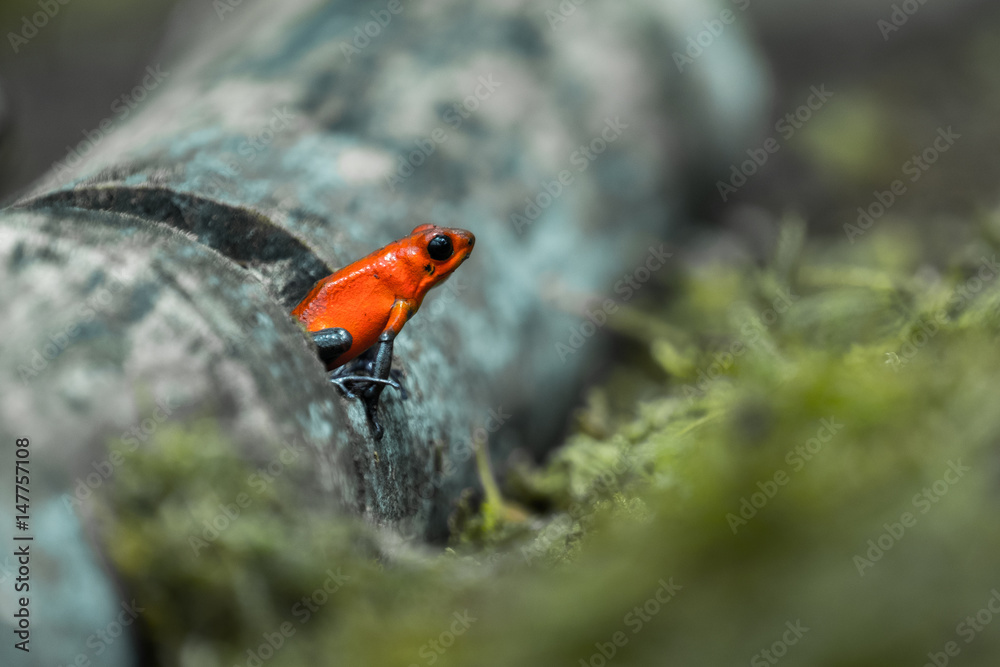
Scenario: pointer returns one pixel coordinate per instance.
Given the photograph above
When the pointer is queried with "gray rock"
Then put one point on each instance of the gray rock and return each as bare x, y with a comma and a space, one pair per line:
148, 278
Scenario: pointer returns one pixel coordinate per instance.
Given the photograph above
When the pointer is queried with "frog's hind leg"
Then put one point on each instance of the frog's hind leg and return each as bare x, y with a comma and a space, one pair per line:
362, 371
332, 343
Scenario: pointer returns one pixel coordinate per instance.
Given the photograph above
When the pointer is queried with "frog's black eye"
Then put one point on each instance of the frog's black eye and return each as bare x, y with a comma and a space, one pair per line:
440, 248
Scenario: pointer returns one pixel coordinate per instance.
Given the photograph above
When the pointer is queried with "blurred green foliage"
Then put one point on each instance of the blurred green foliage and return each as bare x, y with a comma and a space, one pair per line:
888, 103
811, 442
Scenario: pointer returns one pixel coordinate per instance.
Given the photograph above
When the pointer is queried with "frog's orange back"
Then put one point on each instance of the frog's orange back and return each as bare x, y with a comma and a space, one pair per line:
360, 296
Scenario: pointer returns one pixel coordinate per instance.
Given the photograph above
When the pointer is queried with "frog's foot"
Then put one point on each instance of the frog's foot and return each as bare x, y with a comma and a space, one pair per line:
342, 381
378, 376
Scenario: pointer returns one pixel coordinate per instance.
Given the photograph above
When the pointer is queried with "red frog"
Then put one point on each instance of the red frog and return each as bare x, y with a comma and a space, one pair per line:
365, 305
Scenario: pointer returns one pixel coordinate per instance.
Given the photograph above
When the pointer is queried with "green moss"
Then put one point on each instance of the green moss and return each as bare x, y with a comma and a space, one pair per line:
761, 478
839, 413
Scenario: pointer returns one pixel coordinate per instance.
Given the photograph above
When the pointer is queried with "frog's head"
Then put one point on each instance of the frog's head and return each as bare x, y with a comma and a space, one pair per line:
437, 251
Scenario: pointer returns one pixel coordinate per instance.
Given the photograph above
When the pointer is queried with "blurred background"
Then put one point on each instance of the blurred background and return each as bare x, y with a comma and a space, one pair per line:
66, 77
893, 88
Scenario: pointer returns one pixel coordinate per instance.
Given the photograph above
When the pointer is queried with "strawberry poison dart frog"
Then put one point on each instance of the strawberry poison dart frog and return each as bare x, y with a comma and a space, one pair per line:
363, 306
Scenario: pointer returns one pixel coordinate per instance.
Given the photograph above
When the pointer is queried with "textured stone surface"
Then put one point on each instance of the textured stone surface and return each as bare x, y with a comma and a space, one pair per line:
307, 146
157, 271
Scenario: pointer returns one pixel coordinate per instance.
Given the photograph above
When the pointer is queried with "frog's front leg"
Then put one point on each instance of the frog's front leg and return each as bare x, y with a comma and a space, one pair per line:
335, 341
359, 373
380, 378
401, 311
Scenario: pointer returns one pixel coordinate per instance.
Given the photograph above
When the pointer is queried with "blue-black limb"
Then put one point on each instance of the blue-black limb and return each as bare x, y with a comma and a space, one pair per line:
379, 376
332, 343
382, 366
